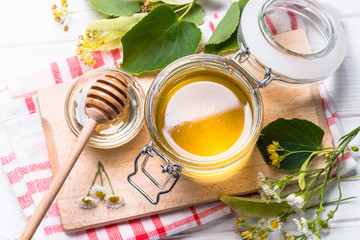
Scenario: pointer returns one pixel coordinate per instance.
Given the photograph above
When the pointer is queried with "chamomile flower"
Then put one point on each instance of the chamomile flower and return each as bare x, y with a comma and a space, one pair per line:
263, 222
262, 179
274, 224
98, 191
87, 202
265, 197
291, 199
303, 227
114, 201
288, 236
299, 201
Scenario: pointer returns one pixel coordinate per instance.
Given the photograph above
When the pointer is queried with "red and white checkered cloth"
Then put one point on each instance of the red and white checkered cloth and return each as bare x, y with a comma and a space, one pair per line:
24, 157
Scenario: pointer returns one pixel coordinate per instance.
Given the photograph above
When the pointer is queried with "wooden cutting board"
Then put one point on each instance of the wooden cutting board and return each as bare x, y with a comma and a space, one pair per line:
279, 101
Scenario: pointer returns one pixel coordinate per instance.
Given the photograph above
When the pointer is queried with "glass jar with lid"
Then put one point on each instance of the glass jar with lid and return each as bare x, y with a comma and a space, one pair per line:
204, 92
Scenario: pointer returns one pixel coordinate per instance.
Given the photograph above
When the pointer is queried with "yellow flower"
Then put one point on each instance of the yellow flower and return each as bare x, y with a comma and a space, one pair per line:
239, 220
247, 235
275, 161
271, 149
64, 3
57, 13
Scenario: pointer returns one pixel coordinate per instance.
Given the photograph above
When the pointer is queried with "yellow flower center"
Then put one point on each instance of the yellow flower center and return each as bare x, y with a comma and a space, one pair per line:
87, 201
114, 199
291, 238
274, 224
100, 194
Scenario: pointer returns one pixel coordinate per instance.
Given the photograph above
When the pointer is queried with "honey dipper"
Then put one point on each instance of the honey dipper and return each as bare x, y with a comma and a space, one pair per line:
107, 97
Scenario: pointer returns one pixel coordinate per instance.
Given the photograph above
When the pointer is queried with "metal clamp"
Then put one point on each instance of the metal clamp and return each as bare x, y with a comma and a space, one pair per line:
244, 55
172, 169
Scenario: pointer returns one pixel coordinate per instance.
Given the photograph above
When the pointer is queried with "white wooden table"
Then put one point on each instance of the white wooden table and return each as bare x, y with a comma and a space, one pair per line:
30, 38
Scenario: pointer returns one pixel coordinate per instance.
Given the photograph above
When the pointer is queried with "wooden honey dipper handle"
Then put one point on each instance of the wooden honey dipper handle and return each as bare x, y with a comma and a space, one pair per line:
106, 98
58, 181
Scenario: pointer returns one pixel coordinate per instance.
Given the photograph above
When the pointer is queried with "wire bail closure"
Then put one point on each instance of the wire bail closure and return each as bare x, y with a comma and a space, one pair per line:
173, 170
244, 55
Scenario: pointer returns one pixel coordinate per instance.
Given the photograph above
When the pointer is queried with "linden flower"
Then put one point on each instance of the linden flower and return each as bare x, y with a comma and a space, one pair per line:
87, 202
114, 201
247, 235
274, 158
274, 224
98, 191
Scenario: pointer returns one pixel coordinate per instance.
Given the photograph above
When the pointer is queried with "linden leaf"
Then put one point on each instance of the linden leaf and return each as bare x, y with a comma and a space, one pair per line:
157, 40
175, 2
227, 26
255, 207
229, 44
195, 15
121, 24
116, 7
225, 36
298, 135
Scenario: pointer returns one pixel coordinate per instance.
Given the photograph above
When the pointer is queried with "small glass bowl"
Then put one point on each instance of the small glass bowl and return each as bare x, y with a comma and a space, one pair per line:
115, 133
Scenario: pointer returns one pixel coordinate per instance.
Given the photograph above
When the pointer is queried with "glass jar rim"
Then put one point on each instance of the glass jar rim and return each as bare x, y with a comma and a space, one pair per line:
166, 75
315, 7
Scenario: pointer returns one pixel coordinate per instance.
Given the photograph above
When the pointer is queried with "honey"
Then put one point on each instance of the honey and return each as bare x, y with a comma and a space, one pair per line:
204, 114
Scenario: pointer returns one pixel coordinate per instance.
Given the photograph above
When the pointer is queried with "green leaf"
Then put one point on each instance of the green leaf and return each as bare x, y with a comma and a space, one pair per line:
157, 40
175, 2
303, 168
225, 36
229, 44
293, 135
121, 24
195, 15
227, 26
116, 7
255, 207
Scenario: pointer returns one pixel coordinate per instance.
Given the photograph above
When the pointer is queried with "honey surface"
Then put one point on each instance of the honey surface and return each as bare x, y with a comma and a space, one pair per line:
203, 115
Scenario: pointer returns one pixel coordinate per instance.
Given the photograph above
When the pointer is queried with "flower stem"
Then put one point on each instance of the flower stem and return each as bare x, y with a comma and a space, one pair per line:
93, 182
187, 10
107, 176
99, 170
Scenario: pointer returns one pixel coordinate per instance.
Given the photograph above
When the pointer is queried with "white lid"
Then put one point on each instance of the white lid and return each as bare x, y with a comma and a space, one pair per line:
299, 67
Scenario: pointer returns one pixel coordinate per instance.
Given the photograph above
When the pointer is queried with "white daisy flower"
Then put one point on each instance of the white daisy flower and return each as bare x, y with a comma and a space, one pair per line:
98, 191
276, 197
263, 222
87, 202
262, 179
114, 201
299, 201
298, 224
274, 224
265, 197
306, 231
291, 200
266, 189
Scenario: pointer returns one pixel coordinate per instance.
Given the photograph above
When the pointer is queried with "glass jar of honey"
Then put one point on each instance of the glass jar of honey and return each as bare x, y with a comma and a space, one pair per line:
204, 112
